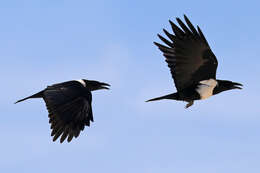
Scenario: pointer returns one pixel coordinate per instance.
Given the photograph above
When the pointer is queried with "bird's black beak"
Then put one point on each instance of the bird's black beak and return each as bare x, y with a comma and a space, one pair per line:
236, 85
104, 86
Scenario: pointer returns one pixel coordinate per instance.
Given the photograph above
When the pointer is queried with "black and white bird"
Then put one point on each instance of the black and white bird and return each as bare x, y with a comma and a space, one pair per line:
69, 106
192, 64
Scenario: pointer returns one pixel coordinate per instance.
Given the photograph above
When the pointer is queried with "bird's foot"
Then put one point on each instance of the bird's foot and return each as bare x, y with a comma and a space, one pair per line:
189, 104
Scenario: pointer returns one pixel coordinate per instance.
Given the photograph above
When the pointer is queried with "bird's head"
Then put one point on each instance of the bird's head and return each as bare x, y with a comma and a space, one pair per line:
224, 85
93, 85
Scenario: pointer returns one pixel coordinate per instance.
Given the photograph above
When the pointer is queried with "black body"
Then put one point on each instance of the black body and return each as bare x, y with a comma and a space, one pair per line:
191, 61
69, 106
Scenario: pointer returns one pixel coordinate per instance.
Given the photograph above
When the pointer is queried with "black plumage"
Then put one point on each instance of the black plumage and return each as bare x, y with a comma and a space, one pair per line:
192, 64
69, 106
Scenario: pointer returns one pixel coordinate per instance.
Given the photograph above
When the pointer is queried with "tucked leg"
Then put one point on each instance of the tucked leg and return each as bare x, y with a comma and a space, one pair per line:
189, 104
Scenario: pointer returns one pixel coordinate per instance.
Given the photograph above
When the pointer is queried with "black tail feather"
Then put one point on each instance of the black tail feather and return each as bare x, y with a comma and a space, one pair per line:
37, 95
173, 96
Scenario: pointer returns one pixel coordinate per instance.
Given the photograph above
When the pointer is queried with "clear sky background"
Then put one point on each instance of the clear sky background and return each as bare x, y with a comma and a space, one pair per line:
46, 42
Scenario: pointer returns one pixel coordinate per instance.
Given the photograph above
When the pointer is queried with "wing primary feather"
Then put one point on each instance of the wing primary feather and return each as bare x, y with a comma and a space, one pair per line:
202, 36
183, 26
177, 31
54, 130
70, 137
54, 123
192, 28
76, 133
71, 131
82, 127
51, 119
170, 36
65, 134
160, 45
165, 49
58, 134
165, 40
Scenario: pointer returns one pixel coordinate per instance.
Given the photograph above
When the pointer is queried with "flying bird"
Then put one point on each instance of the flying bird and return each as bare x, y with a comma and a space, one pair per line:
69, 106
192, 63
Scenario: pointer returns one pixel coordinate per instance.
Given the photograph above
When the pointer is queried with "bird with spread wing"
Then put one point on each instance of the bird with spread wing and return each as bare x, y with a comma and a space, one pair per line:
192, 63
69, 106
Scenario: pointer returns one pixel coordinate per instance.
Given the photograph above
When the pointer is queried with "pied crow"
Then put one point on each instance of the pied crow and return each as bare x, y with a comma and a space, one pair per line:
192, 64
69, 106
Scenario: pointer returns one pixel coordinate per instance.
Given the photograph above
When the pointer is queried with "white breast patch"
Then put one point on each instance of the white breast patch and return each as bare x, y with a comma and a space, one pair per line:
82, 82
206, 87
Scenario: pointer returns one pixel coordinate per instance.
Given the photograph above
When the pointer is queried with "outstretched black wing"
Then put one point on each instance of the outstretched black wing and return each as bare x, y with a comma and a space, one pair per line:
69, 107
188, 55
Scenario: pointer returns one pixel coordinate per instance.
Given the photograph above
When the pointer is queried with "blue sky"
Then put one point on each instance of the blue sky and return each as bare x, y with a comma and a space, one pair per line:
45, 42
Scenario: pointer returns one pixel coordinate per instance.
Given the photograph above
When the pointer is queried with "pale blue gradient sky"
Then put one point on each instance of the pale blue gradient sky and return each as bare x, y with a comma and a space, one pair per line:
45, 42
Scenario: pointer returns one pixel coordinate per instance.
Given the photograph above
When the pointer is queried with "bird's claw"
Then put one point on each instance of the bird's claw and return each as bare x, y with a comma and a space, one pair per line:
189, 104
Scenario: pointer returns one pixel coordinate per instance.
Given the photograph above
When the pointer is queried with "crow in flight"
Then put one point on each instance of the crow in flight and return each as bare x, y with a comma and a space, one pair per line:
69, 106
192, 64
